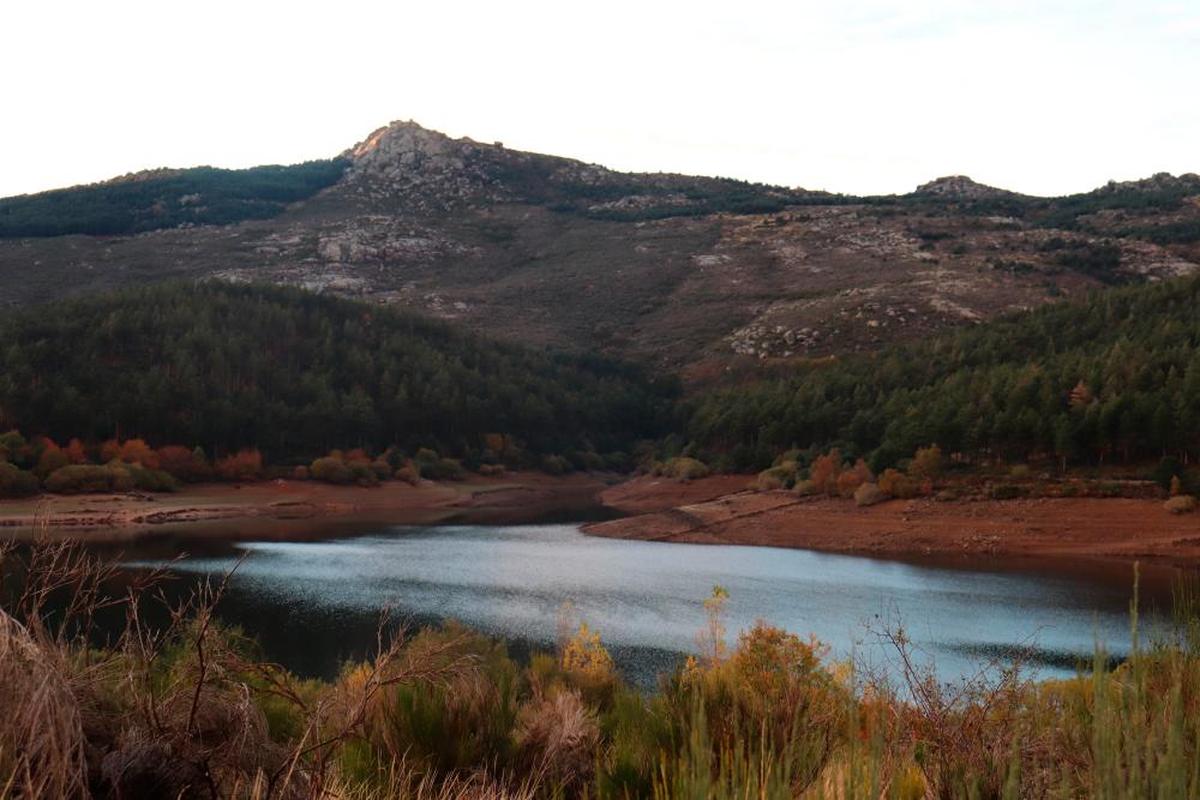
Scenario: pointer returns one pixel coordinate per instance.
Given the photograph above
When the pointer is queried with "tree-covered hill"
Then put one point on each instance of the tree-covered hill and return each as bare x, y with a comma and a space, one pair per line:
166, 199
1114, 376
295, 374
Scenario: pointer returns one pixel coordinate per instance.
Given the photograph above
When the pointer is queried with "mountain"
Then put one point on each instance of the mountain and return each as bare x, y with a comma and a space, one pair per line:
709, 276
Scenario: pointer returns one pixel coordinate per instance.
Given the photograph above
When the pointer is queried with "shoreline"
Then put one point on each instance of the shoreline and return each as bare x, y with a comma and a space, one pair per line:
286, 509
720, 510
714, 510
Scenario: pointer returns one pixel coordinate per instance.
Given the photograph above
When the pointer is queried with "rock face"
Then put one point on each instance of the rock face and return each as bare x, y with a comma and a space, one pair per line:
426, 169
960, 187
703, 275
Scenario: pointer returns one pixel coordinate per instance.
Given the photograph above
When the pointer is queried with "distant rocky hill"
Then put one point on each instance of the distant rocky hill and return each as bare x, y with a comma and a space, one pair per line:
706, 275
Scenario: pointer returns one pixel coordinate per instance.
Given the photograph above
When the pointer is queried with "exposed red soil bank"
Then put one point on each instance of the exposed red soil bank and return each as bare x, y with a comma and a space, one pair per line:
287, 509
718, 510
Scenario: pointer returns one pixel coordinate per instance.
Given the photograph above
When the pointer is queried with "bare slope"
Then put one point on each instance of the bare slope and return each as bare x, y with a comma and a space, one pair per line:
702, 274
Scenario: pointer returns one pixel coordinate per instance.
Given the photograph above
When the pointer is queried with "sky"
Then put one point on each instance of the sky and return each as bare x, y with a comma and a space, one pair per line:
1047, 97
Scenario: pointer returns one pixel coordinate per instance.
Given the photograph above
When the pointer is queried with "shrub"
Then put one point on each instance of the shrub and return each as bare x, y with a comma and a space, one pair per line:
895, 483
244, 465
330, 470
1019, 471
848, 480
136, 451
76, 454
926, 463
459, 717
443, 469
12, 445
555, 465
825, 471
184, 463
81, 478
300, 473
109, 450
491, 470
1007, 491
781, 476
362, 472
426, 456
409, 474
52, 458
1181, 504
868, 494
773, 697
15, 482
684, 468
148, 480
805, 488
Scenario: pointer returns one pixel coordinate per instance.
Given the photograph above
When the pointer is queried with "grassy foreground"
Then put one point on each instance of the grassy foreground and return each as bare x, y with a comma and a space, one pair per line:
189, 708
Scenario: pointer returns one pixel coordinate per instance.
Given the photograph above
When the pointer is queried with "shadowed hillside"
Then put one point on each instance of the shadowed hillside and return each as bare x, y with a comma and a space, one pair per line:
297, 374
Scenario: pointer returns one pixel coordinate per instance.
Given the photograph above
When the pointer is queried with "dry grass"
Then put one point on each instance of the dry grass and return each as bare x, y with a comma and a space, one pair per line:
185, 710
41, 730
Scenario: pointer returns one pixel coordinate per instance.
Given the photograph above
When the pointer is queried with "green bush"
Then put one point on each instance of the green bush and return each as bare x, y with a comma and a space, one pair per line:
685, 469
16, 482
83, 478
805, 488
443, 469
555, 465
1007, 491
149, 480
362, 473
330, 470
409, 474
782, 476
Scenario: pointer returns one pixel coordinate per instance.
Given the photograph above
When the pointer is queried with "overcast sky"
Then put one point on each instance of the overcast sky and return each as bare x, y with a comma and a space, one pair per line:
1044, 97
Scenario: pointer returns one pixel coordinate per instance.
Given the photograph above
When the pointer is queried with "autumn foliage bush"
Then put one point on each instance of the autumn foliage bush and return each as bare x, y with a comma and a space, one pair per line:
244, 465
895, 483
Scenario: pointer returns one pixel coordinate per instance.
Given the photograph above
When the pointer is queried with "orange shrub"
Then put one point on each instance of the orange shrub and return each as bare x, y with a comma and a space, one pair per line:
136, 451
76, 453
183, 463
244, 465
52, 457
850, 479
895, 483
110, 450
824, 472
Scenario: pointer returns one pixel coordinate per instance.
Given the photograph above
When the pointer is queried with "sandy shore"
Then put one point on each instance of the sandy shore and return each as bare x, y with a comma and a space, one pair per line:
298, 509
719, 510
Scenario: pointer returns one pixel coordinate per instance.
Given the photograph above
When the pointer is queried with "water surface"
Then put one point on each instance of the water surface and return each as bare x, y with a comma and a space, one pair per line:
314, 604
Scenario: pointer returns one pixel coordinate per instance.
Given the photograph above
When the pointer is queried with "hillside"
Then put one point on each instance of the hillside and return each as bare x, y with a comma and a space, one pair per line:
702, 275
296, 374
1114, 377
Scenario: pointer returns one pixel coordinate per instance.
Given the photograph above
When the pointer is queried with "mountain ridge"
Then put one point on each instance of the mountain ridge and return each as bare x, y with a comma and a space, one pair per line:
711, 276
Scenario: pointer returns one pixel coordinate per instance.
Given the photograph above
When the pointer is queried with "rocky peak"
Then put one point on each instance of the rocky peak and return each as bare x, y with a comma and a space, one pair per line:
423, 167
959, 187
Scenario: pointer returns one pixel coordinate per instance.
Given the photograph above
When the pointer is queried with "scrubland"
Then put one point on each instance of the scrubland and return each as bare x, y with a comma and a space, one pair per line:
176, 704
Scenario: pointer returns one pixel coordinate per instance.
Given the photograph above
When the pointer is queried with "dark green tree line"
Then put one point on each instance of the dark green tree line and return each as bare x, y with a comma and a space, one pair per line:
297, 374
1114, 376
